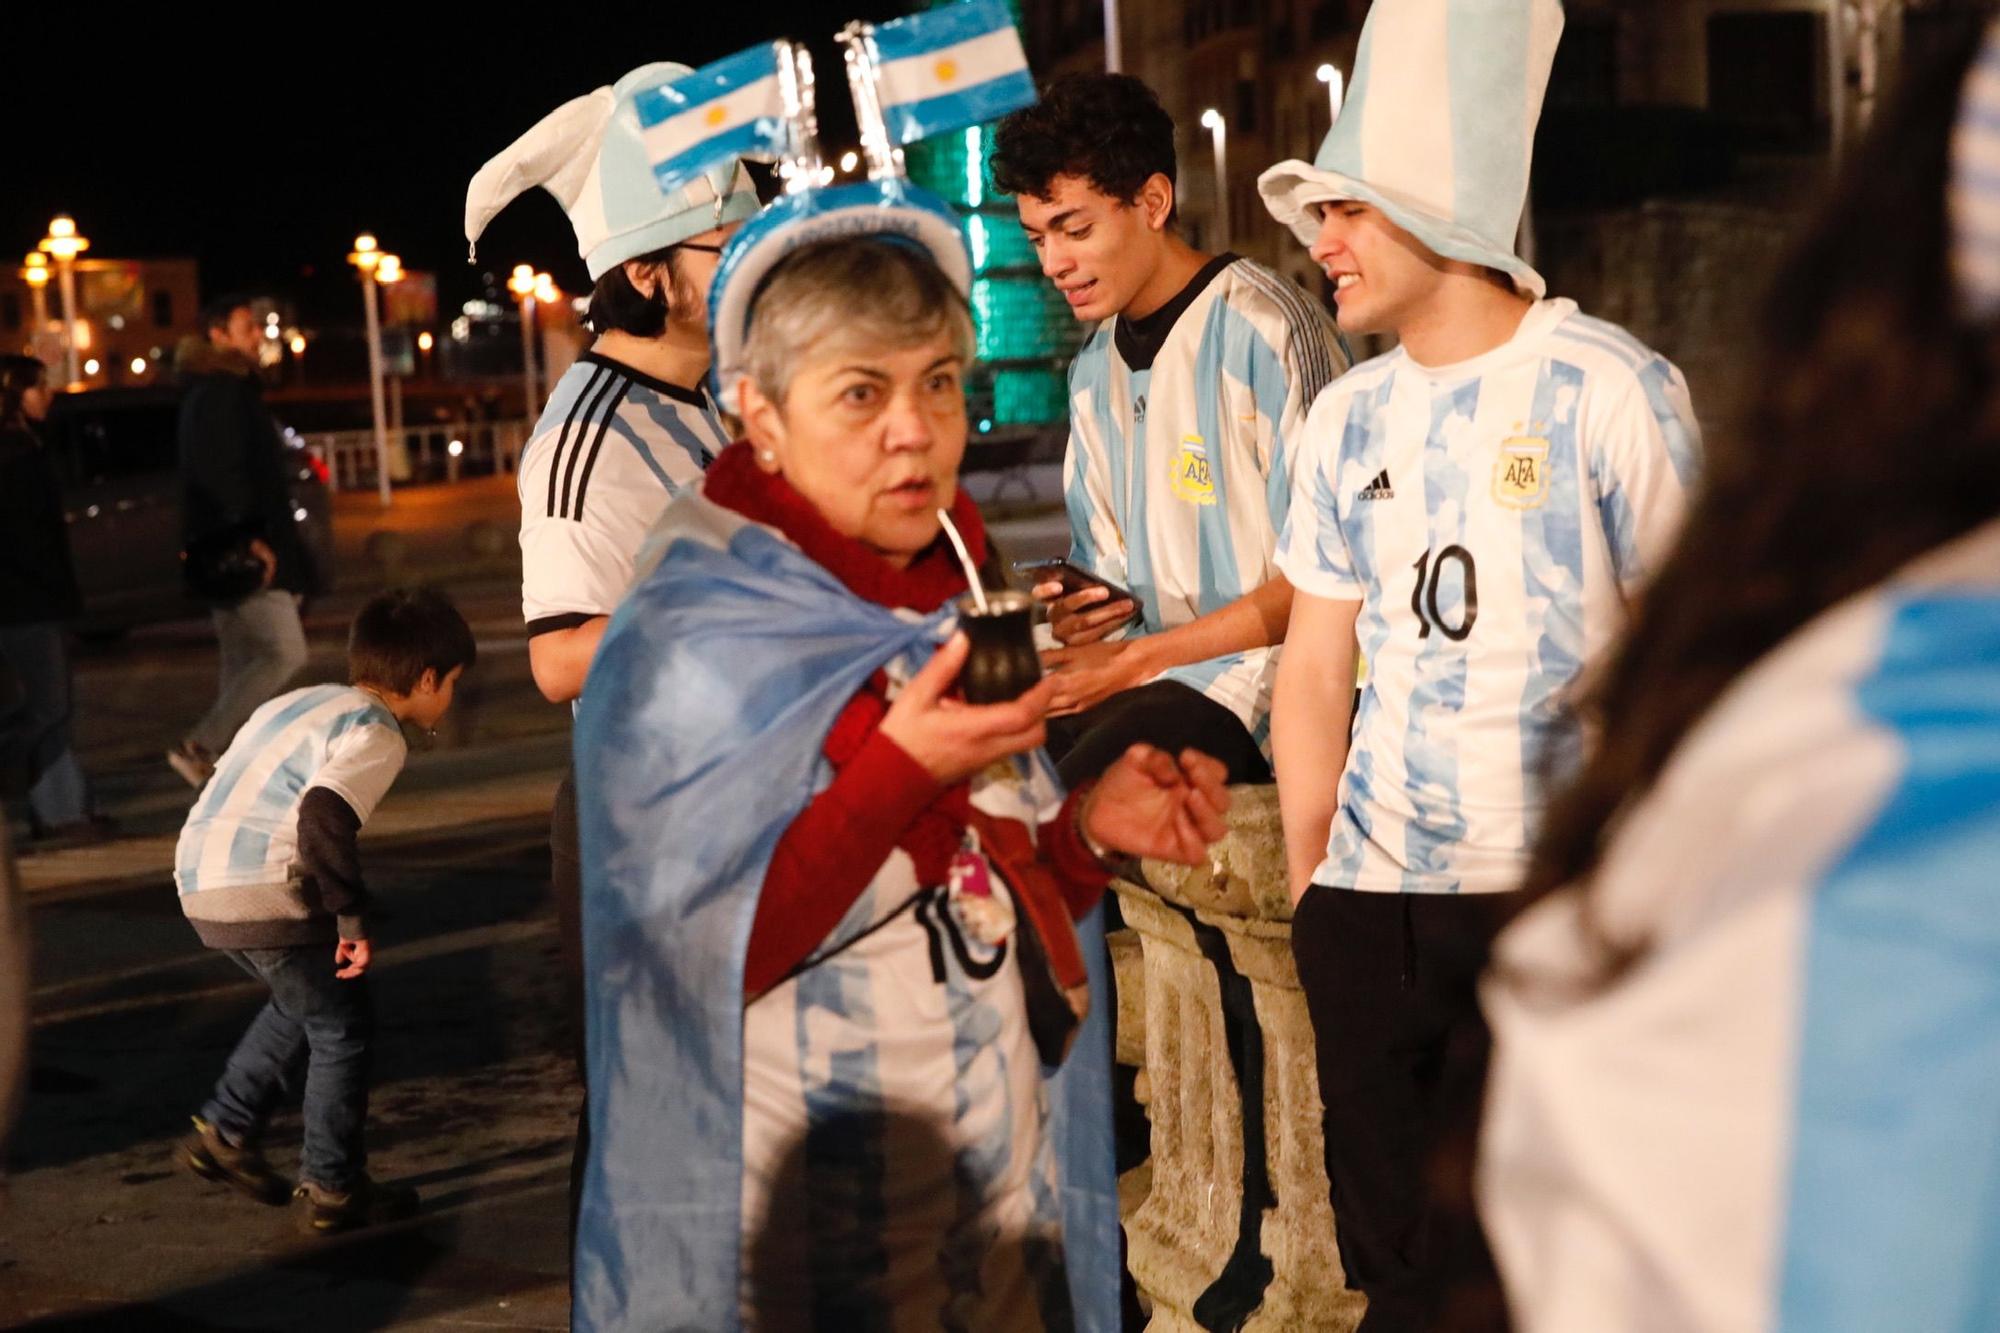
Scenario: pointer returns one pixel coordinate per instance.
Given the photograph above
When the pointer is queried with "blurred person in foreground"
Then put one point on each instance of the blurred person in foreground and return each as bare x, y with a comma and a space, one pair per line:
829, 905
38, 597
1747, 1064
235, 499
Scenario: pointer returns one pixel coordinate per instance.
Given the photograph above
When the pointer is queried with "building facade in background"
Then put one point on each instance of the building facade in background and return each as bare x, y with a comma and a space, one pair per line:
130, 313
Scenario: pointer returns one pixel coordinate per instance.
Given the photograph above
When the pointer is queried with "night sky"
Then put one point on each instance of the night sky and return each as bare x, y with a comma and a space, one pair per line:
263, 157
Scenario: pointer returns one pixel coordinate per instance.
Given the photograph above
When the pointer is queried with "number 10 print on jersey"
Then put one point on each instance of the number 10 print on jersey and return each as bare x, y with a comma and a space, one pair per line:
1532, 488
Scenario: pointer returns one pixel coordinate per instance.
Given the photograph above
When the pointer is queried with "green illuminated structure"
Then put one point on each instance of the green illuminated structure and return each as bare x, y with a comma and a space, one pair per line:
1026, 333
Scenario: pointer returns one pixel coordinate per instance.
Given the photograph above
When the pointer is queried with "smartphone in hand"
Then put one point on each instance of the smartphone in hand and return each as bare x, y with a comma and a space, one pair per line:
1074, 579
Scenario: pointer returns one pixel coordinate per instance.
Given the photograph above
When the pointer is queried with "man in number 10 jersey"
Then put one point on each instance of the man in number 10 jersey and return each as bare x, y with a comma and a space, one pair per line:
1474, 510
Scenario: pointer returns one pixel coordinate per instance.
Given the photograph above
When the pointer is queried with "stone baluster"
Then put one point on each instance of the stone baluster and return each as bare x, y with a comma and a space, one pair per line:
1228, 1224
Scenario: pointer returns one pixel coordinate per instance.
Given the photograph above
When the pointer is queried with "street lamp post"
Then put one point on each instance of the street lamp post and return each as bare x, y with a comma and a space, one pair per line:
376, 268
64, 244
1212, 121
35, 272
522, 284
1335, 87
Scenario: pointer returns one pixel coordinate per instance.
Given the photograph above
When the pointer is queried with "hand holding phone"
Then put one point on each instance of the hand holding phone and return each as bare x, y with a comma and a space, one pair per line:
1083, 607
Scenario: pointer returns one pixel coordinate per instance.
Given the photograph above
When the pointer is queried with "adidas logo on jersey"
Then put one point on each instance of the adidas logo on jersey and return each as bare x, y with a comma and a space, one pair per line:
1378, 489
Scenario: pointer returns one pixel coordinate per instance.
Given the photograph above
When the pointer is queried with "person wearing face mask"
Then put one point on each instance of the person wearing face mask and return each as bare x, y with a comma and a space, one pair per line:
629, 425
1477, 509
1187, 401
38, 595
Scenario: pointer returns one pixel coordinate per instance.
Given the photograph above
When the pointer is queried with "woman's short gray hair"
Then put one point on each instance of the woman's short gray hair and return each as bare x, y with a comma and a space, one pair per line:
836, 296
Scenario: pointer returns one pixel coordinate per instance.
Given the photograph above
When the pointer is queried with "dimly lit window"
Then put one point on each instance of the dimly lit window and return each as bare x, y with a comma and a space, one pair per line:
1764, 78
163, 310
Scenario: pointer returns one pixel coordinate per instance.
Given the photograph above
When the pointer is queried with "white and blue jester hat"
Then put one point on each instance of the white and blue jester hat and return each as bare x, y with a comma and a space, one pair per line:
588, 154
1438, 129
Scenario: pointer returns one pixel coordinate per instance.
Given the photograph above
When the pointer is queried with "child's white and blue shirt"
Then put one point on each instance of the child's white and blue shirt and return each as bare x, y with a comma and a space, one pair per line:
1493, 518
237, 863
611, 449
1178, 473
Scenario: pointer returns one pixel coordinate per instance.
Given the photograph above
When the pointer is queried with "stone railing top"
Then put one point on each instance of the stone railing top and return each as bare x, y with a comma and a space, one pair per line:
1245, 876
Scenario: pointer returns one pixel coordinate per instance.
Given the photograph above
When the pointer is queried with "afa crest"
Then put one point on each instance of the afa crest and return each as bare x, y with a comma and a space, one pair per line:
1521, 473
1192, 480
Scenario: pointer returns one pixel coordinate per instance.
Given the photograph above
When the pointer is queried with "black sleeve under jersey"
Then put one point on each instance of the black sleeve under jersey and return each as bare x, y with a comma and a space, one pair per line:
331, 854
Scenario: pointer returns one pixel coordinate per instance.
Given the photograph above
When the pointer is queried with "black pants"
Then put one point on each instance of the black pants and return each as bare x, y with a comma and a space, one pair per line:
566, 887
1166, 714
1402, 1052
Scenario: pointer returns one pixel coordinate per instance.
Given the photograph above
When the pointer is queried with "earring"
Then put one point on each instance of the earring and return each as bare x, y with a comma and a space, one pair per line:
766, 456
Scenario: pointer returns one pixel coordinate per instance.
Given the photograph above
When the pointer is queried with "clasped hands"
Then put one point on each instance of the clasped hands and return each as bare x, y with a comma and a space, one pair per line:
1149, 803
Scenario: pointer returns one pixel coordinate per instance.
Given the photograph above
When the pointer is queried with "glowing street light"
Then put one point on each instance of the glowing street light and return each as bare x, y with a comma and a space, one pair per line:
546, 290
63, 244
1335, 87
298, 344
35, 272
849, 160
523, 284
376, 268
425, 342
1212, 121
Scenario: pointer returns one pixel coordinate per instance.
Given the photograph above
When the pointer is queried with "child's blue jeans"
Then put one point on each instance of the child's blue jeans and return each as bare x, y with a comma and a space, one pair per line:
316, 1020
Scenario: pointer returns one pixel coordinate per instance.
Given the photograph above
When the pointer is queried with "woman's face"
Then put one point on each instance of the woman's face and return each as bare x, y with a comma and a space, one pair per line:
872, 438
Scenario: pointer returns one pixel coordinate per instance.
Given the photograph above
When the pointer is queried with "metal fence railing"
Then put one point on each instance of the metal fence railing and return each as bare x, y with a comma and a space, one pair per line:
442, 451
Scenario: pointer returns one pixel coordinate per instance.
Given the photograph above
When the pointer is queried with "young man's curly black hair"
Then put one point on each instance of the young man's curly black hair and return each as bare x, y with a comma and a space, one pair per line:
1108, 129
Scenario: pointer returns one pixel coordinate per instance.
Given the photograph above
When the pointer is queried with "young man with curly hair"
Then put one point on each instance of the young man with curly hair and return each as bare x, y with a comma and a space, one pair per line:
1185, 404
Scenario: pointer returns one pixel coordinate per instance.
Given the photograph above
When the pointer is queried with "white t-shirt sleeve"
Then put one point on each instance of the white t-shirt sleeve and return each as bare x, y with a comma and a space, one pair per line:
362, 764
579, 550
1312, 549
1645, 445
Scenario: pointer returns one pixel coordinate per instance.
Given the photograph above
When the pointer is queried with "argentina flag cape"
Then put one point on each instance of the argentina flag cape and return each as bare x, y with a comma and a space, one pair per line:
698, 742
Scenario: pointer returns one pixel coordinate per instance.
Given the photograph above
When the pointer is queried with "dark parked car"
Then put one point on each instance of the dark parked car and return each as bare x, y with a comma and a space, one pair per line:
114, 450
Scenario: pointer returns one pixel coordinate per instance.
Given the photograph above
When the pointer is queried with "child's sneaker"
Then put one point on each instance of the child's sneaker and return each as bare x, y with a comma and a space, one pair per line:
193, 762
366, 1204
212, 1157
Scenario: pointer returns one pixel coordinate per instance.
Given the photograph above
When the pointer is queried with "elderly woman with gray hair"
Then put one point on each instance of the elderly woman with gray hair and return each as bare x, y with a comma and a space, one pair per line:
828, 904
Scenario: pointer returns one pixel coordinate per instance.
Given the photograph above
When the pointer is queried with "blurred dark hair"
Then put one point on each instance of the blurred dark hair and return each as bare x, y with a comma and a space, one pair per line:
215, 315
616, 304
1874, 437
18, 374
1108, 129
404, 632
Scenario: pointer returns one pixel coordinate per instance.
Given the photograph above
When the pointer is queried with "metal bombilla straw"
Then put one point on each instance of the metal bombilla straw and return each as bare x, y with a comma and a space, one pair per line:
964, 558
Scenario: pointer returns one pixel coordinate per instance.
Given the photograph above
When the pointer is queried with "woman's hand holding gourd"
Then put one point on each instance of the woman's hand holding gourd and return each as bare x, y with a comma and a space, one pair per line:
952, 739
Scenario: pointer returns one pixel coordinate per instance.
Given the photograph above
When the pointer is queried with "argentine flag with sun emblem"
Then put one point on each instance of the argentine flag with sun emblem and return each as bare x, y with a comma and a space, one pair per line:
732, 108
949, 68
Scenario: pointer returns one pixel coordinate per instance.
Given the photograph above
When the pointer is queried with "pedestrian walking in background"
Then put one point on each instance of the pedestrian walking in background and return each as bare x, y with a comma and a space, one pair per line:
1746, 1068
241, 545
38, 596
269, 872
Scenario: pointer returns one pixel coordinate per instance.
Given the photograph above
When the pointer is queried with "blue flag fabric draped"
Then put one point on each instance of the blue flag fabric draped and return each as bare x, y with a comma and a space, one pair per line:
697, 743
729, 109
949, 68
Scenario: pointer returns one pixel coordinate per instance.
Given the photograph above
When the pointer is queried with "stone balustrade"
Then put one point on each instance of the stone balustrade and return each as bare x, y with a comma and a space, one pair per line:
1228, 1223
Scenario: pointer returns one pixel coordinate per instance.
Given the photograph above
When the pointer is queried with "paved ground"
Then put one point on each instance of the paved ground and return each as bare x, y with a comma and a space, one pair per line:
475, 1097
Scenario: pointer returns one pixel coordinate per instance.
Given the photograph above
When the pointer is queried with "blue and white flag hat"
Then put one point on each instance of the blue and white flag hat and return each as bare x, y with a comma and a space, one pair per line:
588, 153
1972, 197
1438, 129
891, 208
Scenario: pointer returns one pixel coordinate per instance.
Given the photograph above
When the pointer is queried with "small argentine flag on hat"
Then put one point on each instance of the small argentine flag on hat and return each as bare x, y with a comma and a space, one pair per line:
732, 108
949, 68
1438, 129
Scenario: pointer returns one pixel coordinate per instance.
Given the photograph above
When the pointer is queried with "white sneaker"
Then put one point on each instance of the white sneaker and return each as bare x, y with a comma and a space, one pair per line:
193, 762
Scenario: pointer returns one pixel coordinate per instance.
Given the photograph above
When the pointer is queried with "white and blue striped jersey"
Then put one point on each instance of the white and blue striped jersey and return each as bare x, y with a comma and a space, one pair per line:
1785, 1115
612, 447
1492, 518
1178, 473
243, 829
